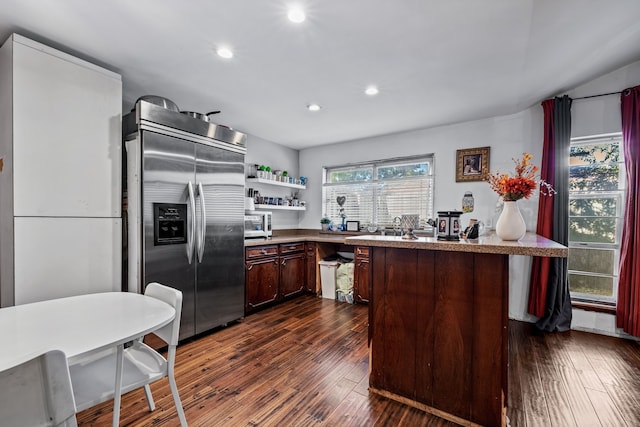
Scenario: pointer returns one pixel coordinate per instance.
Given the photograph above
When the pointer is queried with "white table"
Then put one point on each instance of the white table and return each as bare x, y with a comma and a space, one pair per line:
78, 326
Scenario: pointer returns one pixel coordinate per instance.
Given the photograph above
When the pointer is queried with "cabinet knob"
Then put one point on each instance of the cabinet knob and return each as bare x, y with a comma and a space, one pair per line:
264, 251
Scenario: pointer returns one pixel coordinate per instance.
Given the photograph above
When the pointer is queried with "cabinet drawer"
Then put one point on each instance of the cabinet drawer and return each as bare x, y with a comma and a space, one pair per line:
261, 251
362, 251
287, 248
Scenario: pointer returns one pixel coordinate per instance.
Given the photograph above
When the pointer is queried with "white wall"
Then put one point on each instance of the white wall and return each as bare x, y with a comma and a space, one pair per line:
263, 152
508, 136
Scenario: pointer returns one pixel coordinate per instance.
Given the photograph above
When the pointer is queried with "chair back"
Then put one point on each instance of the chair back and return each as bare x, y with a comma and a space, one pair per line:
38, 393
173, 297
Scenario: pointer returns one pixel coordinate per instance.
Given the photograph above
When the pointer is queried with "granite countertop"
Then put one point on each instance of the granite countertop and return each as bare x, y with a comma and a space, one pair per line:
311, 236
531, 244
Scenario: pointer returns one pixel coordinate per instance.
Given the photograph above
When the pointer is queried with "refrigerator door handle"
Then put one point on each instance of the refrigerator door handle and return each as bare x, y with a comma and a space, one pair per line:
203, 222
191, 225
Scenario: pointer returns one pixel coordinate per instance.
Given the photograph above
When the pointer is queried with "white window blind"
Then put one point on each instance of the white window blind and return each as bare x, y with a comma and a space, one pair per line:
377, 192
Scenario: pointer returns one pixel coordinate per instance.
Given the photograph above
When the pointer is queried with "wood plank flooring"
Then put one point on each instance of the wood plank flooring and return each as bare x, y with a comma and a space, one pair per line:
305, 363
572, 379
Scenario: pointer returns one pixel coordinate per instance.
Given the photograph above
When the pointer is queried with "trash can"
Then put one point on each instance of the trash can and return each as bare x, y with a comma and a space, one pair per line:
328, 278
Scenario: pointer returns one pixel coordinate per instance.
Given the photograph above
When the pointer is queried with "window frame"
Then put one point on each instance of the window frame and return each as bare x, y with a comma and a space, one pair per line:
429, 159
583, 300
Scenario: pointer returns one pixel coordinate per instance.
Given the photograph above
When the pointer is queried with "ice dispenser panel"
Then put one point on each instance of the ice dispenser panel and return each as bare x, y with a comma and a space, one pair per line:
169, 223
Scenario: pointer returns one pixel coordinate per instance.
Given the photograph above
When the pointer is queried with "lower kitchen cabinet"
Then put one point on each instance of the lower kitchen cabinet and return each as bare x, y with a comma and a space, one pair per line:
262, 276
361, 274
292, 269
273, 273
312, 266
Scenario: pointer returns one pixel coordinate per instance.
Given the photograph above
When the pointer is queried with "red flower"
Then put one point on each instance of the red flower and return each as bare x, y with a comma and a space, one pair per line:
519, 186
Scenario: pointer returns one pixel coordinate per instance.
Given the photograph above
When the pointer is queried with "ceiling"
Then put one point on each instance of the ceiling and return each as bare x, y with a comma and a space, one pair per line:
435, 61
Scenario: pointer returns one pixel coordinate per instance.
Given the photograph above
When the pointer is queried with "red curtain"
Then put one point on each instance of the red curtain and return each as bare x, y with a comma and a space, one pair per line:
540, 268
628, 307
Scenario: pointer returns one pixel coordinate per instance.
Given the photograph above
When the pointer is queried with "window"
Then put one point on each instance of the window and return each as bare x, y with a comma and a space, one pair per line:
596, 190
377, 192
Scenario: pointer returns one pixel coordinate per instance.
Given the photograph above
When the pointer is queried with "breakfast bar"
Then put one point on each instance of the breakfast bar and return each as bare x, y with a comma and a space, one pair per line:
438, 322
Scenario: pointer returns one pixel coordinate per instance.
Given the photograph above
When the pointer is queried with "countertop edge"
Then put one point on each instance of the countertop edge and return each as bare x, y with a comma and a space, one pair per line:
530, 245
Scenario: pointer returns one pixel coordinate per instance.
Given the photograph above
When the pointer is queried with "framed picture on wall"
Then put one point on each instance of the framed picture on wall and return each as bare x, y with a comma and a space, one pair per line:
472, 164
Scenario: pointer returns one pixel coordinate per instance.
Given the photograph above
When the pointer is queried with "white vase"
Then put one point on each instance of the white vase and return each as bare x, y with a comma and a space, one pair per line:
510, 225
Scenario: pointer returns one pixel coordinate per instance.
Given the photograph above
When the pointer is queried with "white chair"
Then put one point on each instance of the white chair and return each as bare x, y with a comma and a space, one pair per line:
38, 393
93, 378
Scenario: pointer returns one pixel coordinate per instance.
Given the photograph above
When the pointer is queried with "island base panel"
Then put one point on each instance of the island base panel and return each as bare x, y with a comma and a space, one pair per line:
439, 331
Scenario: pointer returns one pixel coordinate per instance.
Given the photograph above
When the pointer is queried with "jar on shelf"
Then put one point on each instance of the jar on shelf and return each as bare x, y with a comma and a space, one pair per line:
467, 202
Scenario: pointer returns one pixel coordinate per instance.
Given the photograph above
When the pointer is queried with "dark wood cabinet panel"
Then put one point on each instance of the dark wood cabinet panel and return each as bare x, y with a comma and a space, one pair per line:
275, 272
452, 360
426, 305
487, 390
438, 330
261, 251
261, 282
292, 274
400, 323
290, 248
361, 274
311, 268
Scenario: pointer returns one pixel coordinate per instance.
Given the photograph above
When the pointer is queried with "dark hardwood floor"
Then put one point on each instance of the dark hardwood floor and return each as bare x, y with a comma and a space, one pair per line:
305, 363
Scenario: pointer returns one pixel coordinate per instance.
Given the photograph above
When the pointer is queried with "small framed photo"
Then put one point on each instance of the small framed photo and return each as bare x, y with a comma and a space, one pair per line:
353, 226
472, 164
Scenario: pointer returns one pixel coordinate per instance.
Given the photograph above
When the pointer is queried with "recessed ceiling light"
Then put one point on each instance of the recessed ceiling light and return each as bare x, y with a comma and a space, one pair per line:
313, 107
224, 52
371, 90
296, 15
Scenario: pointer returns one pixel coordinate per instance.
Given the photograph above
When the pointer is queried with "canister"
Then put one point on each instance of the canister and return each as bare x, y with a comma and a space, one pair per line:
467, 202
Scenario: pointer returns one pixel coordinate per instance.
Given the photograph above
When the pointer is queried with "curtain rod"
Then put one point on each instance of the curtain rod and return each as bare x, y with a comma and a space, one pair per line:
595, 96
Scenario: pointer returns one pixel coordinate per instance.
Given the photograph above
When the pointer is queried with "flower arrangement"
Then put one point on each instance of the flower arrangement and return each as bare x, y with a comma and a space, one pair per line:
522, 184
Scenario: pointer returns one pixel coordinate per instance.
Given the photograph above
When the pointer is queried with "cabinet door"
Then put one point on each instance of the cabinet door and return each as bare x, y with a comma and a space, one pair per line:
262, 276
67, 136
292, 274
59, 257
362, 275
311, 266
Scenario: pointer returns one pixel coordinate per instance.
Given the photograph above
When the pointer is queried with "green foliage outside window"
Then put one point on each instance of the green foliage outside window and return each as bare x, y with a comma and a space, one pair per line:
596, 183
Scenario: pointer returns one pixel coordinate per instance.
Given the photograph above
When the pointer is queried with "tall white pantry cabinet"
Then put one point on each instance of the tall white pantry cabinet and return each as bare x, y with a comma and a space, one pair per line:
60, 185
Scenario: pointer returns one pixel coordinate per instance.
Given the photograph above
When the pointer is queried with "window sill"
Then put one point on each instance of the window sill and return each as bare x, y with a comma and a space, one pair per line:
589, 306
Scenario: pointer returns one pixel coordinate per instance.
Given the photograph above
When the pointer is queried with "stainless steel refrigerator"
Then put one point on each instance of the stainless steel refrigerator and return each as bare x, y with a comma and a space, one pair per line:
185, 196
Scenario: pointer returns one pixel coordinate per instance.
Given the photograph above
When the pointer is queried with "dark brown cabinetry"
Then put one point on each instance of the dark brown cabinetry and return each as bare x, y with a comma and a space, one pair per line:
361, 274
312, 265
262, 276
439, 331
292, 269
275, 272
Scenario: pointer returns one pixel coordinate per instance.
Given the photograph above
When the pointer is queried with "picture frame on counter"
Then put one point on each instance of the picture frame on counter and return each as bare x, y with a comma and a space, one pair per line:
353, 226
472, 164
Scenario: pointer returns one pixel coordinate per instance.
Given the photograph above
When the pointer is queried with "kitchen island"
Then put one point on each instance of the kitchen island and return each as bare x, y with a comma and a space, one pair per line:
438, 319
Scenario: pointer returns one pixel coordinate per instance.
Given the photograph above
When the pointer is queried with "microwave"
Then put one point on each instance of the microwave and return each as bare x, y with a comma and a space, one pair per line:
258, 225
